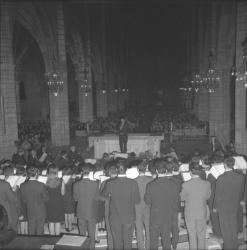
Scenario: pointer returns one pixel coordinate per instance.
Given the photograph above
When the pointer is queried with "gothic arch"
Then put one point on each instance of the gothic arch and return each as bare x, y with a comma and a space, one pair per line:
36, 22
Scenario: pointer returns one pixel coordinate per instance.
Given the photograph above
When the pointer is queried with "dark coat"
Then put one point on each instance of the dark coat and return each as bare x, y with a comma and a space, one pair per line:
124, 195
163, 196
34, 196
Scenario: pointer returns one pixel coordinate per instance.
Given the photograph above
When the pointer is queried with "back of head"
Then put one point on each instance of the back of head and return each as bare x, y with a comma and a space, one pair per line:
142, 166
111, 168
52, 180
160, 165
32, 171
87, 168
195, 168
122, 166
229, 162
8, 170
169, 167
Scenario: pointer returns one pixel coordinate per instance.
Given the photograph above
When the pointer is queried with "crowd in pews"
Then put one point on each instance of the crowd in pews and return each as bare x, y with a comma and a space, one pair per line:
128, 194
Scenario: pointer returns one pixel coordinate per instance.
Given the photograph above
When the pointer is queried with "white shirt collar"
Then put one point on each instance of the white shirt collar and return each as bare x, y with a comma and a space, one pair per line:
121, 175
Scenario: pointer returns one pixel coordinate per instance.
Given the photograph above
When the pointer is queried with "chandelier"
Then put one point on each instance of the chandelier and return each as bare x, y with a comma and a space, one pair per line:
211, 80
241, 75
55, 82
196, 82
54, 78
186, 85
85, 86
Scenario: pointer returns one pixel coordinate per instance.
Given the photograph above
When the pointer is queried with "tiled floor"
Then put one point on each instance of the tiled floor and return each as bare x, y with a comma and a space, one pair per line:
212, 242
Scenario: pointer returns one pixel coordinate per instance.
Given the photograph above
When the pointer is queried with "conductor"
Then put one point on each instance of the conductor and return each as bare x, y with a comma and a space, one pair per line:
123, 135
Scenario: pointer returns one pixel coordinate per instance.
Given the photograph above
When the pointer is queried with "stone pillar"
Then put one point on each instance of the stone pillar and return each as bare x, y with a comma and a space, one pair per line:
101, 97
8, 119
86, 102
59, 108
17, 91
220, 100
240, 93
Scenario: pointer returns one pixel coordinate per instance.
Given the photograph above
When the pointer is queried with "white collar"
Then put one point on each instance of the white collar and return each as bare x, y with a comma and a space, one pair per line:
85, 177
161, 175
122, 175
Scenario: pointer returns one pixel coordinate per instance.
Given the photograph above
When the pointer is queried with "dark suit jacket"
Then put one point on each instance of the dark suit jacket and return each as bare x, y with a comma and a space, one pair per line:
124, 195
9, 200
229, 192
195, 193
34, 196
86, 193
62, 163
125, 129
163, 196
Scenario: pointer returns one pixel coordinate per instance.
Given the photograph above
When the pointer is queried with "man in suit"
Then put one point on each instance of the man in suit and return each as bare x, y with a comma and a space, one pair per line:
124, 195
163, 196
62, 161
142, 209
34, 196
86, 194
228, 195
9, 201
195, 193
123, 135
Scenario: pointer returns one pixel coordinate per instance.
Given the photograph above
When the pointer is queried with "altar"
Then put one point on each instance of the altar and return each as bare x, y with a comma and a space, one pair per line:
136, 143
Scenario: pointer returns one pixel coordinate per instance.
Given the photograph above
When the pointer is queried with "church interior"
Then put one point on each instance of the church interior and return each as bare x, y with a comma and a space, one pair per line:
176, 70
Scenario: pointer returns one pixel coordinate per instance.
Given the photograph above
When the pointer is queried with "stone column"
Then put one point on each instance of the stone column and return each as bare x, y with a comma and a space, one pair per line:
240, 93
17, 91
86, 101
8, 118
101, 97
59, 108
220, 100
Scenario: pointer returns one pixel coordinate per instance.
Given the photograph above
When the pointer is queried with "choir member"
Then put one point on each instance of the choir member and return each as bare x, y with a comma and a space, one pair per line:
228, 195
124, 195
163, 196
55, 209
195, 193
34, 197
86, 193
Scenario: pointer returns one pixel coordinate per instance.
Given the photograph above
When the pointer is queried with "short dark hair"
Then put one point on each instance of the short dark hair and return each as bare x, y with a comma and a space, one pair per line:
229, 162
169, 166
195, 168
160, 165
32, 171
63, 152
142, 166
87, 168
122, 166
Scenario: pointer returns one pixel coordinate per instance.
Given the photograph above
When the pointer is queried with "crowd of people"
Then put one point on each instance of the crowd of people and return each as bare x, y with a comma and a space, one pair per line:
154, 201
143, 120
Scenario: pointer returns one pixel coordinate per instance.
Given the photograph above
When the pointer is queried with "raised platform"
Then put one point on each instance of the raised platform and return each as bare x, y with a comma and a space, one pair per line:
136, 143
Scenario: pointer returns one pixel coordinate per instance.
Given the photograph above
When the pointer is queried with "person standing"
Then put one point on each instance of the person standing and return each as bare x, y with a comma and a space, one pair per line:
124, 195
34, 197
195, 193
86, 193
123, 135
162, 194
142, 209
55, 208
228, 195
9, 200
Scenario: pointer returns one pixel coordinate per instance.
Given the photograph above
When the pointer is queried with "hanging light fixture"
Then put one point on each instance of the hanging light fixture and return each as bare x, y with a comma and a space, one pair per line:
241, 75
54, 78
196, 81
211, 80
85, 86
186, 84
